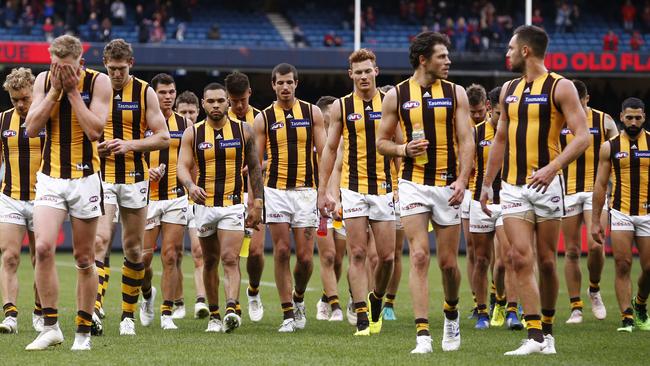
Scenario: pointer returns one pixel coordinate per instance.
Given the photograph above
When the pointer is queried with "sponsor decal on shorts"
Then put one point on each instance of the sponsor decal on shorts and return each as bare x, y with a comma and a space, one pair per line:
411, 104
505, 206
411, 206
12, 216
275, 215
48, 198
620, 223
555, 199
240, 216
143, 190
475, 226
93, 199
206, 228
353, 209
440, 102
184, 209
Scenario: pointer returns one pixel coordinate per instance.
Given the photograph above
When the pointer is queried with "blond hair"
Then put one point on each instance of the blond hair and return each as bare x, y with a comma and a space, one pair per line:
66, 45
18, 79
361, 55
118, 49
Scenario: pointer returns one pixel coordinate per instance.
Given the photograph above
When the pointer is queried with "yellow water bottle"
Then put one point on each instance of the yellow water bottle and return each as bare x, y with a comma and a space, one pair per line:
420, 135
246, 244
338, 223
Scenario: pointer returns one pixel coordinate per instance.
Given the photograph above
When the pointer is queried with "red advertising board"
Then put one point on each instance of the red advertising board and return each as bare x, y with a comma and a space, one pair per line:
26, 52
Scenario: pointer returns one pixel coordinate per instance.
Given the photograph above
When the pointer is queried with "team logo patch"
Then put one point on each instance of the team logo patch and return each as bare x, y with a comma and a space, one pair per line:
566, 131
374, 116
512, 99
9, 133
176, 134
555, 199
233, 143
485, 143
354, 117
205, 146
94, 199
536, 99
642, 154
296, 123
85, 96
128, 106
277, 126
148, 133
82, 166
143, 190
594, 131
621, 155
411, 104
440, 102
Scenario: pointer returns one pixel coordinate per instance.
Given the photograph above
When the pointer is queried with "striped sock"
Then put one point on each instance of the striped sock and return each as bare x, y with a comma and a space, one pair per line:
132, 275
10, 310
334, 302
390, 301
50, 316
534, 325
576, 303
548, 316
166, 307
451, 309
230, 307
237, 308
287, 310
83, 321
107, 276
422, 327
594, 287
361, 309
214, 312
100, 284
38, 310
253, 290
512, 307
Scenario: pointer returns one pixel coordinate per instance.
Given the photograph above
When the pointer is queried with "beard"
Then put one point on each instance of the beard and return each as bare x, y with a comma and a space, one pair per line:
518, 68
632, 130
216, 115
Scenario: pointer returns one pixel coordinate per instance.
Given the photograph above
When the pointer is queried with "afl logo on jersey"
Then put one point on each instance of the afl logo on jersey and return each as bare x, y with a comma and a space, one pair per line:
565, 131
9, 133
354, 117
277, 126
621, 155
205, 146
512, 99
411, 104
148, 133
485, 143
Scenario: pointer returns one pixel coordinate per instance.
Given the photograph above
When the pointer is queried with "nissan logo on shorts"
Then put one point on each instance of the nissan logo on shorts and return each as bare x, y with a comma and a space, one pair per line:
94, 199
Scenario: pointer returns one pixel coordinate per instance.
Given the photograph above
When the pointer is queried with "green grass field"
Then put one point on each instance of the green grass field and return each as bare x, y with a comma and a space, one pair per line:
591, 343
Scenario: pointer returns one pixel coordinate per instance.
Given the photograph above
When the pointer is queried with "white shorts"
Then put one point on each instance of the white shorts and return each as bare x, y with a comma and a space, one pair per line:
297, 207
132, 196
622, 222
398, 217
13, 211
465, 205
81, 197
375, 207
549, 205
191, 219
209, 219
168, 211
480, 222
577, 203
417, 198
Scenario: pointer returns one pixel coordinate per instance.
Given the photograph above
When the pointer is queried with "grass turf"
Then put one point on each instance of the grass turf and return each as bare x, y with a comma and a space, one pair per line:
591, 343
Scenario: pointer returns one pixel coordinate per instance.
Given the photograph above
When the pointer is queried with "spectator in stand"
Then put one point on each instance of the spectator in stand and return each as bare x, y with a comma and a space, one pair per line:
332, 40
610, 41
429, 12
71, 18
411, 13
143, 30
628, 11
369, 17
93, 27
59, 28
106, 30
574, 19
299, 39
460, 35
422, 30
645, 17
538, 20
180, 31
118, 12
449, 29
214, 33
27, 20
9, 14
48, 30
636, 41
157, 33
563, 18
49, 10
139, 14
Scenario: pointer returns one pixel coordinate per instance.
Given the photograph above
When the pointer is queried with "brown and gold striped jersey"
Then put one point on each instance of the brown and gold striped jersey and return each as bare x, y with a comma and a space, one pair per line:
169, 187
631, 179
